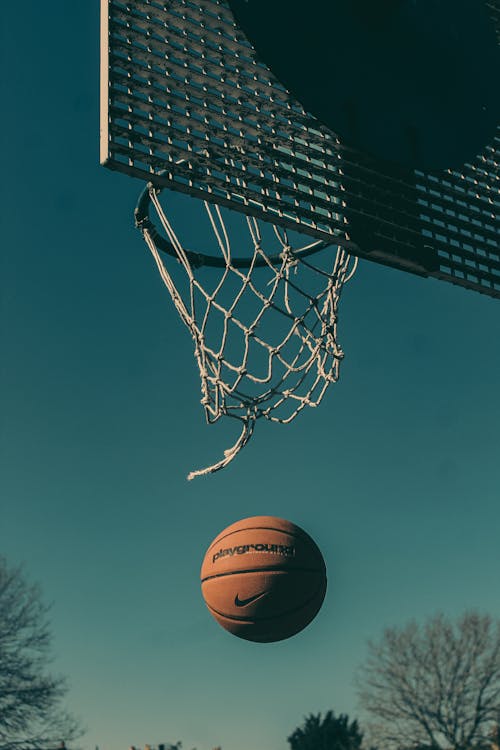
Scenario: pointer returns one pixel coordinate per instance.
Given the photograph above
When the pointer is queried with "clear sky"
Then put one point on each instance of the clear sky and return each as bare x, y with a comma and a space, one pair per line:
396, 476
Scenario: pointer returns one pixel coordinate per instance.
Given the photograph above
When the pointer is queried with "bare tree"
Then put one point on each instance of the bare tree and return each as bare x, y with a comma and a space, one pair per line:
31, 714
436, 686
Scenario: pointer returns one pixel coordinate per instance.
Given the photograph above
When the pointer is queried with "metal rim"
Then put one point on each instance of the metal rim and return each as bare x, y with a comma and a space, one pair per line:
144, 222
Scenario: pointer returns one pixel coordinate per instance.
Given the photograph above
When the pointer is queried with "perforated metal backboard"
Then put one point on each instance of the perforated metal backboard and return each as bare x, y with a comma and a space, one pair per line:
186, 104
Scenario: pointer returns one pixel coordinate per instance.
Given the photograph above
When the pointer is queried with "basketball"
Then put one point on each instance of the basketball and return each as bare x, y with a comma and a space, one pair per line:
263, 579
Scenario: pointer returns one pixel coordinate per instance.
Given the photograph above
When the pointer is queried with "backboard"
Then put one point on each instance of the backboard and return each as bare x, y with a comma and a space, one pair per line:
186, 102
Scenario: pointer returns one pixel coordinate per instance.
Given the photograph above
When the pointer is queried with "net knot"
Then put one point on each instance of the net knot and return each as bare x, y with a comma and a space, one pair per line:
288, 256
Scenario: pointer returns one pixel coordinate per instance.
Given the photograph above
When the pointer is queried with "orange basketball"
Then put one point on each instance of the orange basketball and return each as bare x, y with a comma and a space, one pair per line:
263, 579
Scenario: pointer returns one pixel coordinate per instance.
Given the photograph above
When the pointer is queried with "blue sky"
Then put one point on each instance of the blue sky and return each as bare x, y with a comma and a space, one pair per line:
396, 476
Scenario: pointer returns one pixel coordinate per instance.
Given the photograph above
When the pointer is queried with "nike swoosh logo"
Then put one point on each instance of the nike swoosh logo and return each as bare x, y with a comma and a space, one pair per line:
243, 602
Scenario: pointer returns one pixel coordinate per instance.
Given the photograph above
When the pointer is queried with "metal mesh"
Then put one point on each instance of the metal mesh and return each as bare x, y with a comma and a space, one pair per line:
186, 102
265, 335
189, 100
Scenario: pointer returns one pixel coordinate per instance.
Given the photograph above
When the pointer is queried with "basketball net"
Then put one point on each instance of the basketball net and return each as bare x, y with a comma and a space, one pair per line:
264, 327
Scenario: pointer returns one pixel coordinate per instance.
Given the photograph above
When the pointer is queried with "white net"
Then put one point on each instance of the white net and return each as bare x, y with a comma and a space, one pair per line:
264, 326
